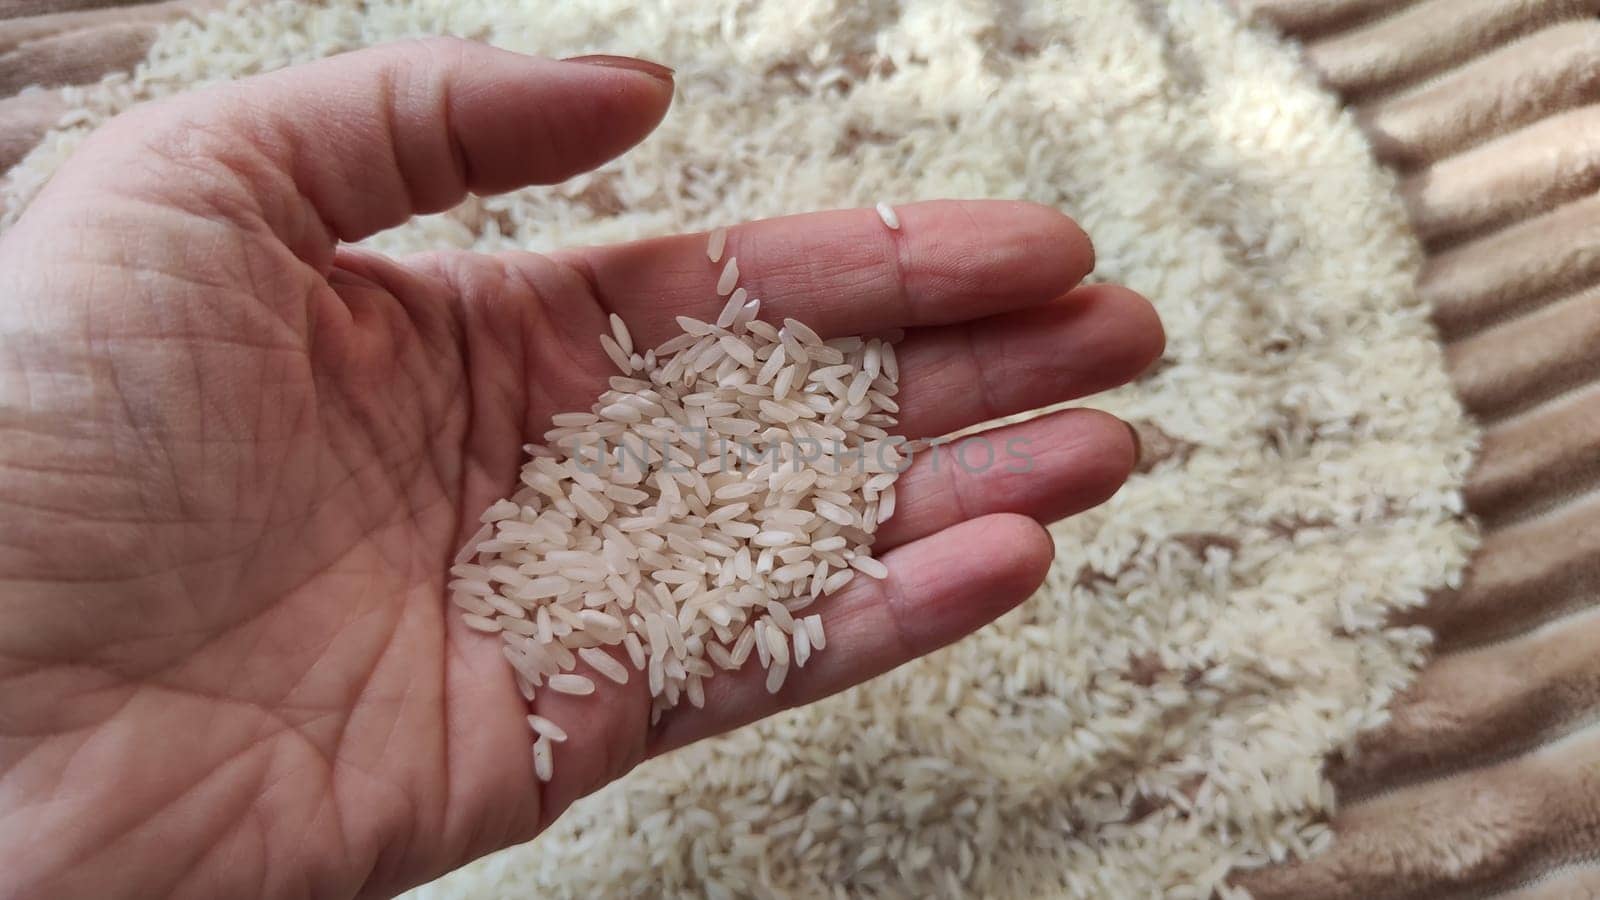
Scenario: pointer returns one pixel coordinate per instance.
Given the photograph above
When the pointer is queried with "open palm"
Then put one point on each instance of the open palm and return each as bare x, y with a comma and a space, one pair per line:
238, 457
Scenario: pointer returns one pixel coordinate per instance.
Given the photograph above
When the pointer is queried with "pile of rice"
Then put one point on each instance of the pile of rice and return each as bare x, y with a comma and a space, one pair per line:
1161, 710
729, 479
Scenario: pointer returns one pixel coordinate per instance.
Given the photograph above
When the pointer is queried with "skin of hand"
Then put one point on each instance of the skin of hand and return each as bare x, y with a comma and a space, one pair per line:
237, 458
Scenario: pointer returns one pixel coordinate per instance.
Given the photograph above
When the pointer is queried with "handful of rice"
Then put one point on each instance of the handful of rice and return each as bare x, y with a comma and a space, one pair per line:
729, 479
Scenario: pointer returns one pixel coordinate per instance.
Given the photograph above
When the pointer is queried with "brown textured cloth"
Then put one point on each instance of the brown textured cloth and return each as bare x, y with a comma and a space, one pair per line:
49, 44
1487, 781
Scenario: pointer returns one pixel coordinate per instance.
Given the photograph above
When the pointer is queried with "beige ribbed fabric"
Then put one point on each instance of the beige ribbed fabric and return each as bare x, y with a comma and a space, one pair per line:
1484, 783
1496, 92
49, 44
1411, 40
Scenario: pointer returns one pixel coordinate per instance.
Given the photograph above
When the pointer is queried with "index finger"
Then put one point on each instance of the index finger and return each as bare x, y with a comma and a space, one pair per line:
846, 272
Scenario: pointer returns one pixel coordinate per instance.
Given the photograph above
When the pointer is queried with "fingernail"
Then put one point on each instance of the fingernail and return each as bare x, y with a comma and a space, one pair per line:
634, 64
1138, 445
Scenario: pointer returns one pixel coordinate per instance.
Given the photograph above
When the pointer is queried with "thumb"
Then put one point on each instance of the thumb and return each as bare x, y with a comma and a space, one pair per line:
345, 147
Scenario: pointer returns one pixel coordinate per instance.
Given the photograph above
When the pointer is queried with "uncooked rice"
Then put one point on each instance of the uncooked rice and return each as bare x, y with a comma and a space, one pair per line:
1161, 710
612, 542
889, 216
730, 277
546, 729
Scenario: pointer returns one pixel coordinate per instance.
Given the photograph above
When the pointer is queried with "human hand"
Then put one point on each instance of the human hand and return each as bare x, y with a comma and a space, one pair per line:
238, 458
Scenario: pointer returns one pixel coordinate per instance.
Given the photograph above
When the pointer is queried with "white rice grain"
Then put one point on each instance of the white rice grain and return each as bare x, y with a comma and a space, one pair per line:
546, 728
775, 677
630, 642
605, 664
543, 759
731, 309
729, 277
870, 567
619, 357
481, 623
620, 333
814, 632
747, 314
803, 332
567, 683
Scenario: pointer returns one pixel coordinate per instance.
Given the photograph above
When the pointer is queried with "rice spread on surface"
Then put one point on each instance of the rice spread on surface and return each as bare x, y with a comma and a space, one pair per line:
1162, 709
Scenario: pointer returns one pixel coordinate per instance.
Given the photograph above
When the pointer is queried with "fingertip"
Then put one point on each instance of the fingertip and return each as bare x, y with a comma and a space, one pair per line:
1013, 554
1138, 445
1026, 556
655, 70
1077, 246
1086, 242
1056, 247
457, 115
1116, 446
1144, 322
573, 115
1128, 329
977, 258
1104, 453
999, 559
1060, 247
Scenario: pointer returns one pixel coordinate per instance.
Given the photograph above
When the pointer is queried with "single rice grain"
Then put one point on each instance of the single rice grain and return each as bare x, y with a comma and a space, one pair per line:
546, 728
729, 277
543, 759
716, 243
605, 664
566, 683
